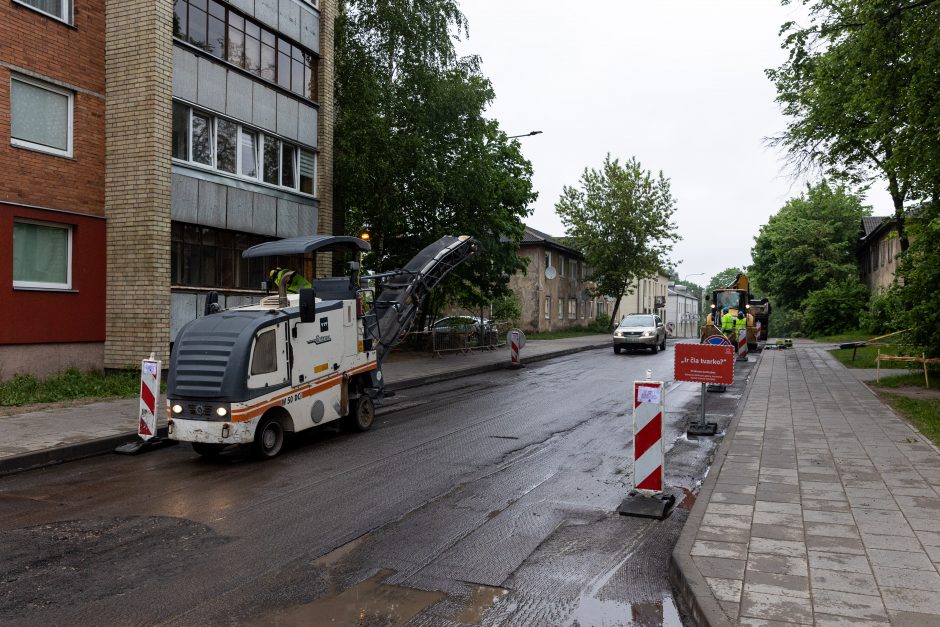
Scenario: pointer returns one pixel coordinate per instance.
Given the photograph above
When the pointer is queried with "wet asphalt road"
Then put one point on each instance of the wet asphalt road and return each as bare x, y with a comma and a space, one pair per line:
484, 500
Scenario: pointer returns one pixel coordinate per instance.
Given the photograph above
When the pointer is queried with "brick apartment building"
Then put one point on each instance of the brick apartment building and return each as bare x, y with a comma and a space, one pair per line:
149, 143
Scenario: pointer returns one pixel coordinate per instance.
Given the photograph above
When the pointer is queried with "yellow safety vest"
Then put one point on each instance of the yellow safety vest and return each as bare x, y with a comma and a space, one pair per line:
296, 283
740, 323
727, 322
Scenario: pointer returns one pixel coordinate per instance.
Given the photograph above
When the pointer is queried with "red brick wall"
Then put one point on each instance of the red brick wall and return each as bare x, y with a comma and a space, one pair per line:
44, 48
75, 56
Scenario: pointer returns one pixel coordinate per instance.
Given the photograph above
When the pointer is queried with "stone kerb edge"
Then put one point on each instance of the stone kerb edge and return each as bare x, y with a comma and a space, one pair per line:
683, 573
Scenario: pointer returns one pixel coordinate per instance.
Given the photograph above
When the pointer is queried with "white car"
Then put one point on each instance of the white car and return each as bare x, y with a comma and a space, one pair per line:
640, 331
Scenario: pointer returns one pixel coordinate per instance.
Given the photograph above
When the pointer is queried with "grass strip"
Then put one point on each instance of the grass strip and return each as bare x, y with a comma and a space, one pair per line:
565, 333
922, 413
70, 385
865, 357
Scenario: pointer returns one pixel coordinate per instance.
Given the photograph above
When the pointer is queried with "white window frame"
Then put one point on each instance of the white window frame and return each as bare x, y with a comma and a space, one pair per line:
561, 265
22, 143
68, 10
548, 307
212, 140
238, 158
40, 285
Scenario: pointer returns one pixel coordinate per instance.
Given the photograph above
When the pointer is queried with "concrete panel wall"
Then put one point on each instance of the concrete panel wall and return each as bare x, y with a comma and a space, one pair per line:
214, 86
211, 203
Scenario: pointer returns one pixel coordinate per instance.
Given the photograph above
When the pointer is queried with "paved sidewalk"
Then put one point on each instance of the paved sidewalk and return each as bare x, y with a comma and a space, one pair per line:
823, 507
49, 436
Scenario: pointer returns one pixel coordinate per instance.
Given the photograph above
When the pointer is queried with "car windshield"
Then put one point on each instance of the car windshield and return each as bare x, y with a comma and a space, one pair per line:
637, 321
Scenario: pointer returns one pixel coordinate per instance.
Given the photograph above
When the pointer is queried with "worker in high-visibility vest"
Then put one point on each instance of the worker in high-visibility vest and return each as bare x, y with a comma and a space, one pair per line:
739, 323
295, 281
727, 325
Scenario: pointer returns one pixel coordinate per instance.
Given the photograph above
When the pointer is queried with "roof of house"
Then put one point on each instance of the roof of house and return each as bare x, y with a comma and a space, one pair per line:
536, 237
873, 226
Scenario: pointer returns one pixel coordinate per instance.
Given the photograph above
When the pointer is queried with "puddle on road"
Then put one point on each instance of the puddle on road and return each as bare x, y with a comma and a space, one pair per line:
482, 598
369, 602
596, 613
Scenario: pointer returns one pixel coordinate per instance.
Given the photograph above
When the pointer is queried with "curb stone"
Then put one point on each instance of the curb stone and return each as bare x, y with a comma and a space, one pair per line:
693, 590
101, 446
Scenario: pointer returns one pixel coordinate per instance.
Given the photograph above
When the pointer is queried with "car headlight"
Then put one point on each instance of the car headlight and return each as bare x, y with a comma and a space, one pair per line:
177, 409
647, 334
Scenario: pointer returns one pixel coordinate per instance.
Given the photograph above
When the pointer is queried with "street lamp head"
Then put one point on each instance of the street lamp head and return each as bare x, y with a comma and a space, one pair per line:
529, 134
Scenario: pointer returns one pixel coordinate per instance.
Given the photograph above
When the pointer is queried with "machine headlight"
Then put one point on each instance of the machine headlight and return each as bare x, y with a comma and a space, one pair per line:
221, 412
177, 409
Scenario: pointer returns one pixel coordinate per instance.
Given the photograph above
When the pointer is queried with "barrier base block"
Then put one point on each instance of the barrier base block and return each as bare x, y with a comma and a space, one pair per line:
143, 446
643, 506
714, 387
702, 428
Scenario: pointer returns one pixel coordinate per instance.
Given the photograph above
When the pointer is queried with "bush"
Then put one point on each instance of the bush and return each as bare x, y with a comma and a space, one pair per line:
885, 312
507, 309
601, 324
836, 308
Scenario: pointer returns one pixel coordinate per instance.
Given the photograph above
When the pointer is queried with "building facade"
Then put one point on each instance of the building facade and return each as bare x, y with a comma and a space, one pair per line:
555, 291
648, 296
682, 312
878, 250
52, 205
217, 135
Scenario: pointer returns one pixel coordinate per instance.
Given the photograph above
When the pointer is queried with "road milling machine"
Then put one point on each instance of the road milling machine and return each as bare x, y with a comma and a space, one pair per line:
736, 296
248, 375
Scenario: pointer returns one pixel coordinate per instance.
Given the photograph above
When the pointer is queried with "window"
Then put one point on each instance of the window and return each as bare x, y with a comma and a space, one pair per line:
561, 266
40, 117
591, 310
572, 309
548, 259
308, 172
583, 309
241, 41
237, 149
561, 308
42, 255
573, 267
59, 9
264, 357
548, 307
208, 257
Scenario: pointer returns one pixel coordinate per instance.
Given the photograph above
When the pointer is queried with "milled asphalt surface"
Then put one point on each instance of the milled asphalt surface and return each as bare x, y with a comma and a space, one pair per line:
822, 507
37, 438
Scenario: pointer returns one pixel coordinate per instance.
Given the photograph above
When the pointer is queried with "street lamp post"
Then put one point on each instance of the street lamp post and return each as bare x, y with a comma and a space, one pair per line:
676, 288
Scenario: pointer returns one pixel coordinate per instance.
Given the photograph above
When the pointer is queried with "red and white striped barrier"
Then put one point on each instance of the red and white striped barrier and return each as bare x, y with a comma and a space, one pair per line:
742, 344
149, 392
649, 399
516, 340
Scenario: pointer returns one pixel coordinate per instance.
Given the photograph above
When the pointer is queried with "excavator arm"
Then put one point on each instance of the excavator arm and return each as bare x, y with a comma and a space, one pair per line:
401, 292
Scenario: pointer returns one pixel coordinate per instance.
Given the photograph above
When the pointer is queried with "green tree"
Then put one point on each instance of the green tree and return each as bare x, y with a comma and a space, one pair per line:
920, 294
835, 308
808, 243
620, 217
415, 156
859, 87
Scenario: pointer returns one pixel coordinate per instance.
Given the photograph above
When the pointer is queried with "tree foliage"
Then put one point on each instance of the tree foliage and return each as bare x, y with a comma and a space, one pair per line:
620, 217
920, 293
811, 241
859, 87
835, 308
415, 156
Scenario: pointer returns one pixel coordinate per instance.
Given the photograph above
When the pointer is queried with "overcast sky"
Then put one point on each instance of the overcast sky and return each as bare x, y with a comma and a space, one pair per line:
679, 84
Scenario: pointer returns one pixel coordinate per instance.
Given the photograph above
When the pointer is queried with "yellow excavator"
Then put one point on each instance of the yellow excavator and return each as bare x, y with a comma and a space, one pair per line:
737, 296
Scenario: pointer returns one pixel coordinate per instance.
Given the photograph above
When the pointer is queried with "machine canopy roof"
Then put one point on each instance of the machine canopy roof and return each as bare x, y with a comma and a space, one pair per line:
305, 244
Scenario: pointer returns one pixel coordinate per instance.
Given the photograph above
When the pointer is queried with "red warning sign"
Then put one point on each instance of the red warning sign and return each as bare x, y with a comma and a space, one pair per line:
705, 363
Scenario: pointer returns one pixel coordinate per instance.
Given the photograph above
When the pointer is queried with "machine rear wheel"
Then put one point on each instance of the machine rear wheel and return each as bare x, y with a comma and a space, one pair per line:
208, 450
362, 415
269, 438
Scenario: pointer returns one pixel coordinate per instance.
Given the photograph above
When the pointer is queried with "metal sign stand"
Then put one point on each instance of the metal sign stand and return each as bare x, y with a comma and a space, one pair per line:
702, 427
150, 370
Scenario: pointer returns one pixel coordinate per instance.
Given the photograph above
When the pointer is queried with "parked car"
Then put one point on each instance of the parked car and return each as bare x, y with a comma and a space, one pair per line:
640, 331
470, 325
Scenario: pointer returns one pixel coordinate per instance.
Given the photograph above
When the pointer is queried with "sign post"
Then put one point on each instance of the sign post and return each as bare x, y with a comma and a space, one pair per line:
647, 498
705, 364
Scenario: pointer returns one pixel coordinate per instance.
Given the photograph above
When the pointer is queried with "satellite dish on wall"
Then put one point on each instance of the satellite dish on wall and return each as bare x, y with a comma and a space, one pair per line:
550, 272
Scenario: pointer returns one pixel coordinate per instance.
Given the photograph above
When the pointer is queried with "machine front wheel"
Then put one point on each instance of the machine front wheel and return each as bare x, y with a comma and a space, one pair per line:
269, 438
362, 415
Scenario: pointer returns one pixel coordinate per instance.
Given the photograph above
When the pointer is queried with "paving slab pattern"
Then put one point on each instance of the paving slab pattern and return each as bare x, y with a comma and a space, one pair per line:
825, 510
